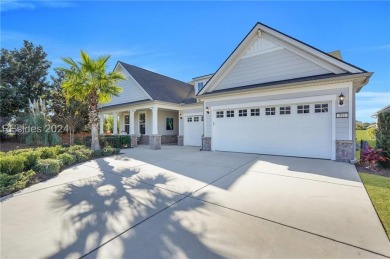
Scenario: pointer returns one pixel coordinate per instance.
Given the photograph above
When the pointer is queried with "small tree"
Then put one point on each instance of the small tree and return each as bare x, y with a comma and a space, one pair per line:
69, 112
383, 136
89, 81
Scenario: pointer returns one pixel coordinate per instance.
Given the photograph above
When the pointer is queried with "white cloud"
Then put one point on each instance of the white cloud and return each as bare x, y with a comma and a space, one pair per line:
368, 103
8, 5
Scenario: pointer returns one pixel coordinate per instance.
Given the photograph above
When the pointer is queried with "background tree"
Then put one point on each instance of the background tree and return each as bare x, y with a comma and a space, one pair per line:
383, 136
23, 78
68, 112
88, 80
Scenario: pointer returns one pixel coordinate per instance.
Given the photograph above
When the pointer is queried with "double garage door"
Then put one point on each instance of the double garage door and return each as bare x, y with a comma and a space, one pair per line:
302, 130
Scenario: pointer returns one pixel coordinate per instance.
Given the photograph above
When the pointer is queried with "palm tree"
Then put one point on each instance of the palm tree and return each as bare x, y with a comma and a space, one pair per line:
89, 81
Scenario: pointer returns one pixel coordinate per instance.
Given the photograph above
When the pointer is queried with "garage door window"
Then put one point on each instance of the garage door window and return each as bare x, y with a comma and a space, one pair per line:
322, 107
255, 112
285, 110
242, 113
230, 114
201, 118
270, 111
189, 119
220, 114
196, 119
303, 109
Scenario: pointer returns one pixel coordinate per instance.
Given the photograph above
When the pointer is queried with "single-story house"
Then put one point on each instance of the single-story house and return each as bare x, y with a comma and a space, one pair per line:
273, 95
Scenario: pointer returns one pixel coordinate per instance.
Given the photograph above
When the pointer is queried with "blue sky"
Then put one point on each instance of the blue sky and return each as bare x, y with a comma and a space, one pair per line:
188, 39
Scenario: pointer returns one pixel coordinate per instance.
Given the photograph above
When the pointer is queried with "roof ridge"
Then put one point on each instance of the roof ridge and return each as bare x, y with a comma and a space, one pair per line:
153, 72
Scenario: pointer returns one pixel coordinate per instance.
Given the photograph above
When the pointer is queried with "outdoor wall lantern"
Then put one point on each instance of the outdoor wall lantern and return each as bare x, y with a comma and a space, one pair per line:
207, 110
341, 99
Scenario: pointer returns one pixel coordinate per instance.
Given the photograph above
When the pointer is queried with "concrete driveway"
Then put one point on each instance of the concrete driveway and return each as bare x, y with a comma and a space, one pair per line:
181, 203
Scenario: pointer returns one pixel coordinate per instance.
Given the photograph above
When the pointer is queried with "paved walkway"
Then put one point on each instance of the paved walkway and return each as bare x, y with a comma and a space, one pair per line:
181, 203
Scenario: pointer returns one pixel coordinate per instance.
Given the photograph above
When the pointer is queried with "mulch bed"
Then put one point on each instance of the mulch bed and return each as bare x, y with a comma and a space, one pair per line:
380, 171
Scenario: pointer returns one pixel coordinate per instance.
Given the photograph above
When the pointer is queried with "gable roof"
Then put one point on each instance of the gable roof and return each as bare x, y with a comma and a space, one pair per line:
160, 87
301, 46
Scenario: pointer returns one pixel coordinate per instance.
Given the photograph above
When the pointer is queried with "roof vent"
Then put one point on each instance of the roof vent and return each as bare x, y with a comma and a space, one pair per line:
336, 54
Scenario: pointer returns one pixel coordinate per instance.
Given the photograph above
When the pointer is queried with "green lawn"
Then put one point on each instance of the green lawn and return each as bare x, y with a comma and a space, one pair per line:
363, 135
378, 188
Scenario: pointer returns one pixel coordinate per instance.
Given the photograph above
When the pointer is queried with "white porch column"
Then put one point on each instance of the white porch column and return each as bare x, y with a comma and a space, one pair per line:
121, 122
155, 139
154, 120
115, 130
132, 122
101, 122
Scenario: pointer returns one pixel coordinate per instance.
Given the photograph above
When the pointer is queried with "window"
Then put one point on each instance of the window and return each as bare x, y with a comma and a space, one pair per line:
189, 119
220, 114
196, 119
285, 110
322, 107
142, 128
127, 124
255, 112
200, 86
230, 114
242, 113
270, 111
303, 109
201, 118
169, 125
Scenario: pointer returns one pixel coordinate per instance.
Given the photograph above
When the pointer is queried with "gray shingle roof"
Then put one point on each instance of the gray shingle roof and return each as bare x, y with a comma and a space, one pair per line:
161, 88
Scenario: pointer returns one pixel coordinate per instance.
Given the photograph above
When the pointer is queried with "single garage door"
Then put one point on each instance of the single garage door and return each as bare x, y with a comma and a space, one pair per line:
302, 130
193, 130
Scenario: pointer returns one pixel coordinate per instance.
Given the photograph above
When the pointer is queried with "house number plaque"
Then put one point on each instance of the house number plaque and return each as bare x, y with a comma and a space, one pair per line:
342, 115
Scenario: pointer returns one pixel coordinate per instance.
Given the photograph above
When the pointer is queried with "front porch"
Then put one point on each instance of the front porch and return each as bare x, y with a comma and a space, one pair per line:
149, 124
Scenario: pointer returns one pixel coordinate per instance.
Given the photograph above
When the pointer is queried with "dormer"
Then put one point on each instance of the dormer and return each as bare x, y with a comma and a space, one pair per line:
200, 81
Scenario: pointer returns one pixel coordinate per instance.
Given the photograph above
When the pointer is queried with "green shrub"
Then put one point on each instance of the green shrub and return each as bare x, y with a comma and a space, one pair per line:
108, 151
78, 147
47, 152
116, 151
97, 153
67, 159
48, 166
79, 155
19, 151
31, 159
371, 132
125, 141
12, 183
12, 164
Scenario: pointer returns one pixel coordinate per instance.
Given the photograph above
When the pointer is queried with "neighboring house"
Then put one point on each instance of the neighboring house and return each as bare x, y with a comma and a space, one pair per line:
273, 95
385, 109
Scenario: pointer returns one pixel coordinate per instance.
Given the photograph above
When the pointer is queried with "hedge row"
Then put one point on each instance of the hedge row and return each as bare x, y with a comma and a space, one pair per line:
116, 141
18, 168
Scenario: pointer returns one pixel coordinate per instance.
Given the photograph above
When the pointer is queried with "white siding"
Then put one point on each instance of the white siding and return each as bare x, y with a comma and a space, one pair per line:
132, 92
342, 125
277, 65
162, 117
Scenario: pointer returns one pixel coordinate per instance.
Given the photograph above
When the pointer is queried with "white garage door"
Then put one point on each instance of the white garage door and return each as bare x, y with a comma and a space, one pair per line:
193, 130
302, 130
